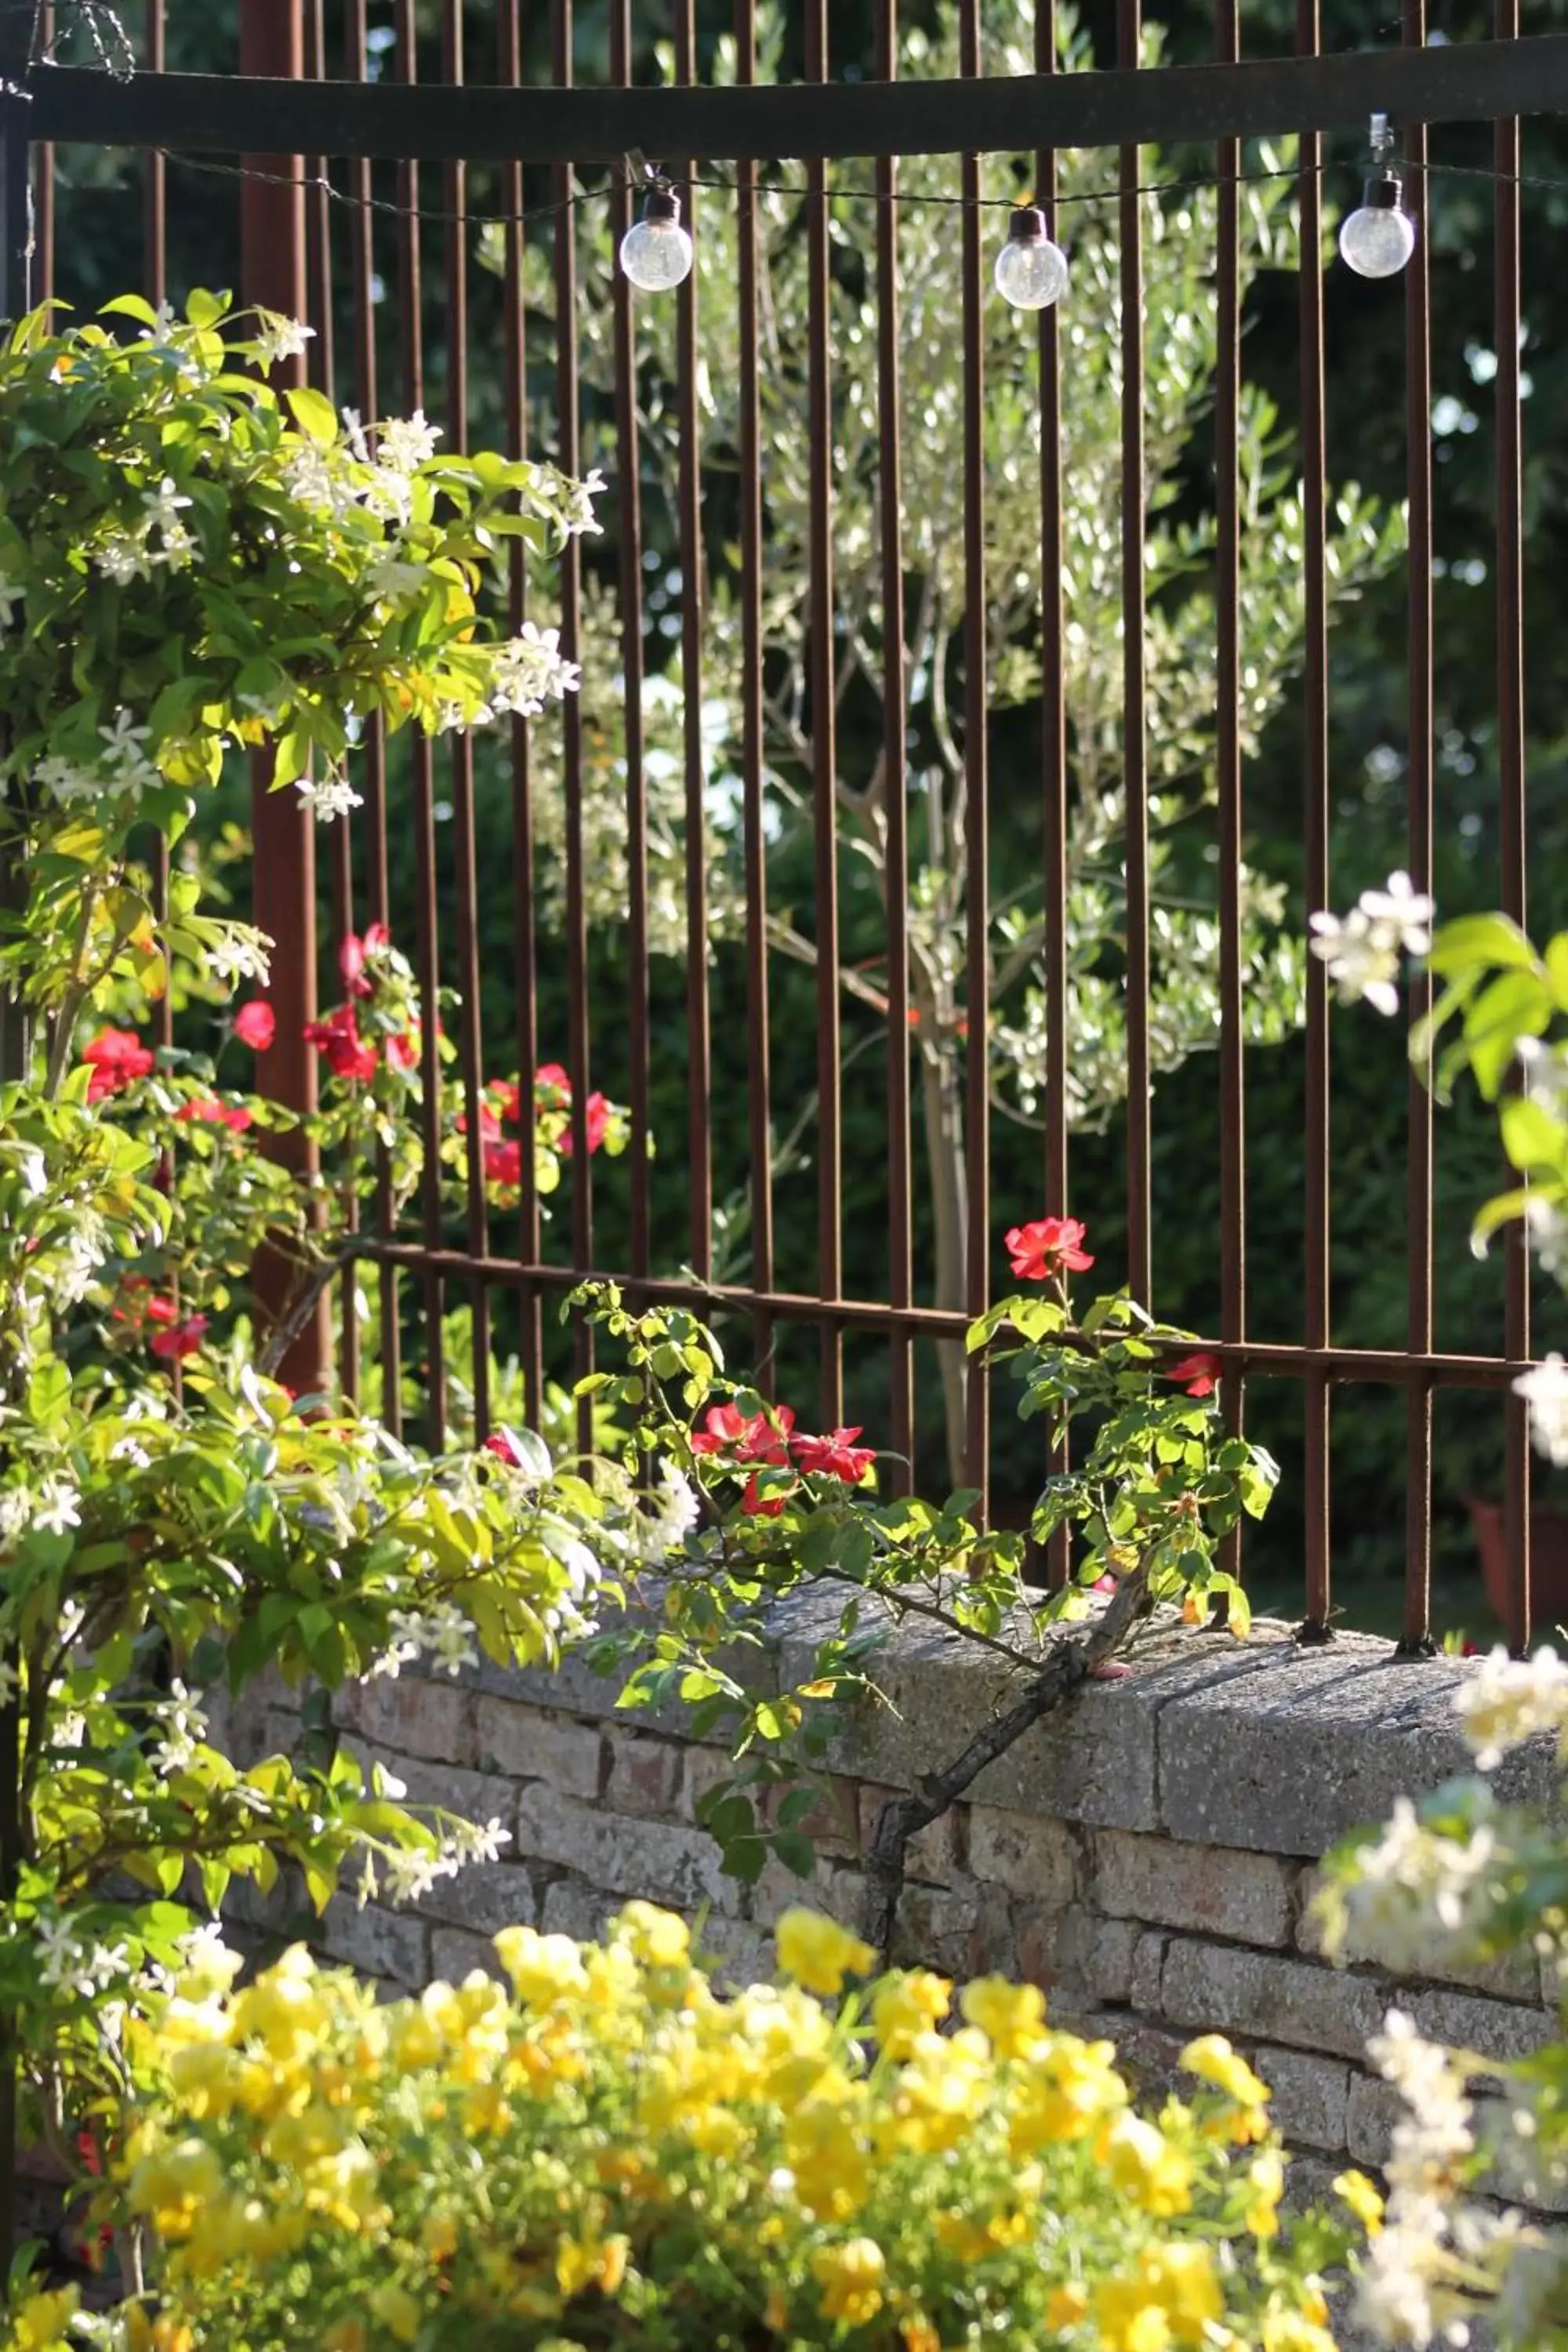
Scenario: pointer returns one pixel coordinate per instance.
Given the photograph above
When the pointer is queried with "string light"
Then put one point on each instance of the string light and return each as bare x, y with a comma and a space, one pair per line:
1379, 237
1031, 272
656, 253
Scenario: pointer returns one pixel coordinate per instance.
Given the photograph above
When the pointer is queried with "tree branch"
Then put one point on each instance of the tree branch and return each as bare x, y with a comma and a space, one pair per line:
284, 1332
901, 1819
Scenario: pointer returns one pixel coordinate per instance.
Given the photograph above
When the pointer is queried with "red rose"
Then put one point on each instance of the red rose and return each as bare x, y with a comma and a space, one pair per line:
115, 1057
347, 1053
351, 963
255, 1025
182, 1341
752, 1438
489, 1124
503, 1163
758, 1506
1200, 1374
376, 937
402, 1051
834, 1456
1051, 1245
212, 1113
507, 1098
552, 1087
503, 1445
597, 1112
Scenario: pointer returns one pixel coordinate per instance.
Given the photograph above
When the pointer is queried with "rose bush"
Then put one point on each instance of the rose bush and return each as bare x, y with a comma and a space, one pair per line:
616, 2153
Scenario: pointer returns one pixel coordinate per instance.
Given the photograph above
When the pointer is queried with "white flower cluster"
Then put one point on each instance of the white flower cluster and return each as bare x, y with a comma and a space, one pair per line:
651, 1541
68, 1964
53, 1506
1545, 1390
1510, 1700
121, 767
185, 1728
1364, 951
1403, 2292
239, 951
409, 1873
532, 671
1416, 1882
129, 554
329, 797
279, 338
444, 1634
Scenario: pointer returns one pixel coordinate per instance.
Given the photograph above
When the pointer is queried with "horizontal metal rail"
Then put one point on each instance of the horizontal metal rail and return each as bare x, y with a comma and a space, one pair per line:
1472, 81
1385, 1367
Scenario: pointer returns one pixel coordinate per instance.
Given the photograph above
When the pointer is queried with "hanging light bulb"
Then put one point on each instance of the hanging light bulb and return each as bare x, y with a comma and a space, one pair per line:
656, 253
1379, 237
1031, 272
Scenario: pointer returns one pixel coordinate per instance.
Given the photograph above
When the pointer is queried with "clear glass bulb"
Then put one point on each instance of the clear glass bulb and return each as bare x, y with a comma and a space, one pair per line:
1377, 240
1031, 272
656, 253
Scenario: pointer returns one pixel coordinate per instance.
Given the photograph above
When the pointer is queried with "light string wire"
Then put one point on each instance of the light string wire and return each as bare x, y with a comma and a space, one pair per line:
320, 183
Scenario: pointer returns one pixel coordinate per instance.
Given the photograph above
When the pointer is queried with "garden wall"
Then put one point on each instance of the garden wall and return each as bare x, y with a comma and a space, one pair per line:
1146, 1854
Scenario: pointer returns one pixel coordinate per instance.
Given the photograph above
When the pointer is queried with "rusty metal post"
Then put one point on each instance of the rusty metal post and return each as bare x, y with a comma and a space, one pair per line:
273, 274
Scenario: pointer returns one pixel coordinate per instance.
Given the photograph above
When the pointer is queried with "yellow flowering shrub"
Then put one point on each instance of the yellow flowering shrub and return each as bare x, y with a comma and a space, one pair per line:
611, 2153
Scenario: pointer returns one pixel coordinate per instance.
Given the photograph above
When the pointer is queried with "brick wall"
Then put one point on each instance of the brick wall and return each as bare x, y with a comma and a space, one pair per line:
1147, 1854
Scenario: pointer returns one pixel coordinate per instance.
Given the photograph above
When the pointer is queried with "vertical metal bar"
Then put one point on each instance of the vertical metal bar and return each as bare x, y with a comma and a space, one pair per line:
567, 452
693, 573
322, 359
531, 1342
824, 755
1315, 774
273, 238
373, 754
1512, 786
468, 925
895, 786
43, 180
1417, 1629
155, 285
1139, 1276
755, 841
629, 456
1053, 738
421, 757
976, 790
1227, 605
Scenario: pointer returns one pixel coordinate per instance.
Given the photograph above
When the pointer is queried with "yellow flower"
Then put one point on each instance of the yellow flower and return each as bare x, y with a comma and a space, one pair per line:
1354, 2190
440, 2237
173, 2184
1181, 2278
832, 2169
660, 1940
1128, 2321
818, 1954
1144, 2164
588, 2262
40, 2324
284, 2009
1293, 2331
1266, 2178
543, 1967
907, 2006
1013, 2017
1068, 2087
918, 2334
850, 2277
392, 2304
1212, 2059
1066, 2305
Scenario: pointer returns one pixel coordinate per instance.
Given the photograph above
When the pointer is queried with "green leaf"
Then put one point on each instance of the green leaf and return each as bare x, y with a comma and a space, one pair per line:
314, 414
1491, 942
1531, 1136
130, 306
796, 1853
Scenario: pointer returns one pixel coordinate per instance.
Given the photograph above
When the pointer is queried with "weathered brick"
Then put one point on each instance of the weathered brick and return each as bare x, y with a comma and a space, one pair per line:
1213, 1890
1094, 1957
412, 1715
456, 1952
944, 1928
526, 1744
665, 1864
1492, 2029
479, 1797
1371, 2110
705, 1767
644, 1777
572, 1908
1217, 1988
832, 1887
1029, 1853
1312, 2095
1145, 1988
391, 1945
485, 1897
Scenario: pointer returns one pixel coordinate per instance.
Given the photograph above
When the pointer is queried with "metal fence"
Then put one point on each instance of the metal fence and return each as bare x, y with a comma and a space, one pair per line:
341, 106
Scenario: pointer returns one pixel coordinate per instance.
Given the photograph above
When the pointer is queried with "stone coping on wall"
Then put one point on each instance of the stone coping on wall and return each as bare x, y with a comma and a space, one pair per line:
1147, 1852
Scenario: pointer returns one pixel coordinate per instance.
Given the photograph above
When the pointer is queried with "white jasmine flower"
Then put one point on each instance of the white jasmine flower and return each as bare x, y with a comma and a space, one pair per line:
279, 338
59, 1951
354, 430
57, 1508
1509, 1700
241, 953
407, 443
68, 782
16, 1513
123, 559
1400, 914
580, 515
124, 755
332, 797
1546, 1232
165, 319
164, 507
1362, 967
477, 1842
1545, 1389
530, 671
1545, 1071
179, 548
185, 1728
410, 1875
